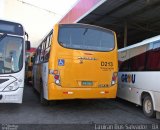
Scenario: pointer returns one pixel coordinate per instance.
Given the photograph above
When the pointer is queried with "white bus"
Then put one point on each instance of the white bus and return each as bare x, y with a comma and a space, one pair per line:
12, 61
139, 75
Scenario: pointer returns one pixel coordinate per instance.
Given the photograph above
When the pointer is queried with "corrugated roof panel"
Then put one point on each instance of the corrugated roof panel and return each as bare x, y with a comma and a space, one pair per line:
108, 6
154, 12
142, 17
131, 8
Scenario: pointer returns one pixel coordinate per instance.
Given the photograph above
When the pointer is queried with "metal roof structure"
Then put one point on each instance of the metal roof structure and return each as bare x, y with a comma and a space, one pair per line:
132, 20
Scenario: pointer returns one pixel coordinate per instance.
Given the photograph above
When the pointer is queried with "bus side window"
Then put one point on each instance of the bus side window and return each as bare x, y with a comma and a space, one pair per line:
47, 55
48, 46
137, 63
47, 51
37, 55
124, 66
43, 51
50, 40
153, 62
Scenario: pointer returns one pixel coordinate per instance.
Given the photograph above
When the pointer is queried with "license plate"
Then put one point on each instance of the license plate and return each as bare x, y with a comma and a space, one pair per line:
87, 83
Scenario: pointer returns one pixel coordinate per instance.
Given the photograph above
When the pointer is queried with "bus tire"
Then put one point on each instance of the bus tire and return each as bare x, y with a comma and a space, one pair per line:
148, 109
42, 99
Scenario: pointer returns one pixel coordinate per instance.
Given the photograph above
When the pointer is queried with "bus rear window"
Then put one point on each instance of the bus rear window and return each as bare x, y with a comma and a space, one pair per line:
85, 37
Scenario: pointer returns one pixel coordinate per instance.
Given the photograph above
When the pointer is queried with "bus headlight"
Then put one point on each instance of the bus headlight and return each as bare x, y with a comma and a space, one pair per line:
11, 87
114, 78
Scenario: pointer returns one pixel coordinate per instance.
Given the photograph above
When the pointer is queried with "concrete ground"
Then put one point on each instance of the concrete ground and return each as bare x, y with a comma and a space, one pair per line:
73, 112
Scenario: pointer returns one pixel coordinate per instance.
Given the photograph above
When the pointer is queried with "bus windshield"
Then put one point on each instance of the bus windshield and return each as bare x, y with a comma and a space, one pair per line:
11, 57
86, 38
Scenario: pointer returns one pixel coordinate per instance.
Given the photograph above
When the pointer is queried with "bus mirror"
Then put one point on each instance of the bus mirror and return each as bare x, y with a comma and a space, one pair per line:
28, 45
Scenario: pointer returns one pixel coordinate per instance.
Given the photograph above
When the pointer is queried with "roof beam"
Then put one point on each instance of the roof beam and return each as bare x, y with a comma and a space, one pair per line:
144, 28
152, 5
134, 26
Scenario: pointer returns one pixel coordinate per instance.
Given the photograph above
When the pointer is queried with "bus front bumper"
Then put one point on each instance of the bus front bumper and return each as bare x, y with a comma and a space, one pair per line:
12, 96
59, 93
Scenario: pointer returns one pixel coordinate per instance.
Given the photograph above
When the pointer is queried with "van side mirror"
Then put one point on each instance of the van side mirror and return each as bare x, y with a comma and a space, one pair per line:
28, 45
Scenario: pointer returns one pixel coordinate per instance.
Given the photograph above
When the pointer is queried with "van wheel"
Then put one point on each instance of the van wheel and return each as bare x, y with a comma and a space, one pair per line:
42, 99
148, 107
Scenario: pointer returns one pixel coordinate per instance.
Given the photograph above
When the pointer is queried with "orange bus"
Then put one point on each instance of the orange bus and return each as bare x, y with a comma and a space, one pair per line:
76, 61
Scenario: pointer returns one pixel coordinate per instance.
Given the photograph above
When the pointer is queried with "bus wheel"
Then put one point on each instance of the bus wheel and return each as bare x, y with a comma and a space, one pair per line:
42, 99
148, 107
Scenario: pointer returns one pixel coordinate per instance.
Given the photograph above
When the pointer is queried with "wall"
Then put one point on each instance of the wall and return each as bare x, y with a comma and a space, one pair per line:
37, 22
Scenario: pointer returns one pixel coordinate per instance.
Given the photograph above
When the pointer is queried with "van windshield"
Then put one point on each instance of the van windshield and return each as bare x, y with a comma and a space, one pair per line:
85, 37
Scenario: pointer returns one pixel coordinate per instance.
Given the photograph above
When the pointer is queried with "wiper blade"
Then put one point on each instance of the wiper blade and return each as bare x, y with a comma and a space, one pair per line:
3, 36
85, 31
